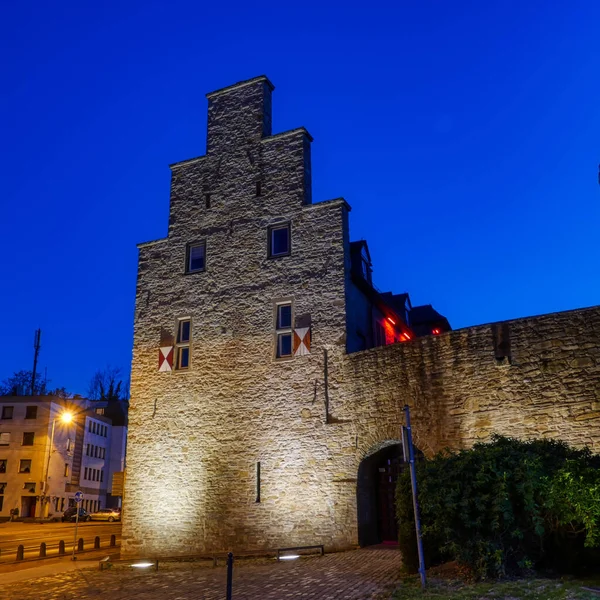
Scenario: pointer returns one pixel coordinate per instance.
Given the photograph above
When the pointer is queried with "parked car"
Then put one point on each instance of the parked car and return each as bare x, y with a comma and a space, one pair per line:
71, 513
106, 514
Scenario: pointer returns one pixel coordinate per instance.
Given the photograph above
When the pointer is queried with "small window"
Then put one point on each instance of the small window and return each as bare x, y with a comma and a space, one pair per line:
90, 426
196, 255
85, 473
7, 412
379, 334
31, 412
25, 466
99, 411
5, 439
184, 330
258, 188
279, 240
66, 469
207, 200
101, 475
1, 503
284, 316
365, 263
87, 449
3, 485
283, 330
28, 438
3, 465
29, 486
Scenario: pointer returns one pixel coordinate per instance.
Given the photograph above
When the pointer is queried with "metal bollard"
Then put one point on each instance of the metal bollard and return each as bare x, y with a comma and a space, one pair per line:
229, 575
61, 547
97, 542
43, 550
20, 552
113, 540
80, 545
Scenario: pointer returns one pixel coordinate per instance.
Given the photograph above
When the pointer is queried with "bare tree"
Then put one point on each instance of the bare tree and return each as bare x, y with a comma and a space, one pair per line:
20, 385
107, 384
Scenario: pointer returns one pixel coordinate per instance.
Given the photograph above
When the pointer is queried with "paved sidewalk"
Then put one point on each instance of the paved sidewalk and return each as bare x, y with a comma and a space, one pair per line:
356, 575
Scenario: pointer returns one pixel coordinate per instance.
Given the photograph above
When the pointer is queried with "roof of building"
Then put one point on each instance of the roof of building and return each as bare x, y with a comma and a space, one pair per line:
240, 84
424, 314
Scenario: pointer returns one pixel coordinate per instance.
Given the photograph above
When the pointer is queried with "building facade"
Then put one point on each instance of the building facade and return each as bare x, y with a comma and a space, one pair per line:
269, 374
45, 458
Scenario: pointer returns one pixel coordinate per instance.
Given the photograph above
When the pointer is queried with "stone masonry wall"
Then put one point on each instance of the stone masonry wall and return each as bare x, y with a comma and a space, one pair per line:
196, 436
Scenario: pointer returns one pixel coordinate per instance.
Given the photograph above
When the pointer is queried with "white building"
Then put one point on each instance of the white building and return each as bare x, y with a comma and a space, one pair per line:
51, 448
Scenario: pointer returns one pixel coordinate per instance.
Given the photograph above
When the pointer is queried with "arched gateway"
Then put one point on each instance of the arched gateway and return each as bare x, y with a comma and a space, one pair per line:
375, 494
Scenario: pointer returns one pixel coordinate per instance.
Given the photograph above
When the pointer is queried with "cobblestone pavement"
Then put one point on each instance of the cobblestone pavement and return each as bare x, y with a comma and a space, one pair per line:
356, 575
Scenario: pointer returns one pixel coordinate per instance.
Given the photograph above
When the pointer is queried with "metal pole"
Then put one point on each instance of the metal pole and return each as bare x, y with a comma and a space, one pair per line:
48, 464
36, 346
75, 535
229, 575
413, 482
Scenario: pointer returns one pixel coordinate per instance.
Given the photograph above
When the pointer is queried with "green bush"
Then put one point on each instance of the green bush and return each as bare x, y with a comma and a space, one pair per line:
505, 507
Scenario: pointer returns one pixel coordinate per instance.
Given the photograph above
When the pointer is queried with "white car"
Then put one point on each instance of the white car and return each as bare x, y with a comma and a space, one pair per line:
106, 514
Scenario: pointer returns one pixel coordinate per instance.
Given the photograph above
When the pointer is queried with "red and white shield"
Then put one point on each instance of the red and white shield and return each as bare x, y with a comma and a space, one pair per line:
301, 341
165, 358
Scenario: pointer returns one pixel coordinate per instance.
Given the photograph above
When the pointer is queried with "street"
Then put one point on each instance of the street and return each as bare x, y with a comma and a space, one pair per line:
31, 535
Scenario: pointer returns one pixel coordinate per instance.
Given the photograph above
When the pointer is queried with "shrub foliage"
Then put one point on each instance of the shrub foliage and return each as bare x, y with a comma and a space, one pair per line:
505, 507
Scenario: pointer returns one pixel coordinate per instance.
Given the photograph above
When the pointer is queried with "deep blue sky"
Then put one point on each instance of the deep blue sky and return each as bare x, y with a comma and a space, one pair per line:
465, 135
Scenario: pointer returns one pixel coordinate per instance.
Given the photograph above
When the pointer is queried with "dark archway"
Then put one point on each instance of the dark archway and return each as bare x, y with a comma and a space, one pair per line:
375, 495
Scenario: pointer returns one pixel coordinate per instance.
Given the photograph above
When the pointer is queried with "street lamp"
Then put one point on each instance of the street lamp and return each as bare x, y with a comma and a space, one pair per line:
66, 417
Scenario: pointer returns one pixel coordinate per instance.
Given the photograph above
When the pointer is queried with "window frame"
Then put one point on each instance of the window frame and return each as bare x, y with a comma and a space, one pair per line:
31, 408
379, 336
32, 434
5, 433
285, 225
188, 257
25, 460
180, 346
281, 331
5, 409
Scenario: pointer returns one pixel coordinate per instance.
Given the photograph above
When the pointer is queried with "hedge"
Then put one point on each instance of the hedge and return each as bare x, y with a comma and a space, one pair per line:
505, 507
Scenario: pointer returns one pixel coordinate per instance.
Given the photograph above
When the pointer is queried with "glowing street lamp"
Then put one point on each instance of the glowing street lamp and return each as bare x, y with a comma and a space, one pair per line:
65, 417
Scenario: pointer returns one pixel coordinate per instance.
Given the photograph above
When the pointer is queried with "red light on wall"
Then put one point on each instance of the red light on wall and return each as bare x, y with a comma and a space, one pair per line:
406, 336
436, 331
391, 320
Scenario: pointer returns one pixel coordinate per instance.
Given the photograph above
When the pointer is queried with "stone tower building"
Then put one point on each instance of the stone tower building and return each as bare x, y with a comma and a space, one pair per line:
269, 374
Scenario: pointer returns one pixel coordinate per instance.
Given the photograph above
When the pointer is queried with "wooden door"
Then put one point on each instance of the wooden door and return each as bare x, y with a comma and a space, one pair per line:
388, 472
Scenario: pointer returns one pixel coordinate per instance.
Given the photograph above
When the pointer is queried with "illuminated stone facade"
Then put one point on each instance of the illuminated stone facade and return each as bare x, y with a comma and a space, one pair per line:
196, 434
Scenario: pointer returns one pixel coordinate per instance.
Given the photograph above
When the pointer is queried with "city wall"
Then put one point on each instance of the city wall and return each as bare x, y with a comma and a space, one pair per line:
202, 458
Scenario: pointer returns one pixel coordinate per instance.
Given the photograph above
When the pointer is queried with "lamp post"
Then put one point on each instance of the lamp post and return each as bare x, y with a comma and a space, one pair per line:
66, 418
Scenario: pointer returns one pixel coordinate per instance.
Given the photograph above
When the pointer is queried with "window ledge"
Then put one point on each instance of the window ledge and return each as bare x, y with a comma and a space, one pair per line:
194, 272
